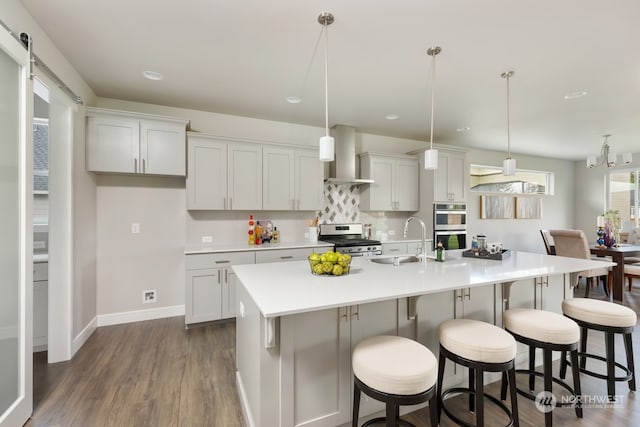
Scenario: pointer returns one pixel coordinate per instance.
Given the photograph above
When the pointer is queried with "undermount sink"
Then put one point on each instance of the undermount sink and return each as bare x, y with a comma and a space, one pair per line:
396, 260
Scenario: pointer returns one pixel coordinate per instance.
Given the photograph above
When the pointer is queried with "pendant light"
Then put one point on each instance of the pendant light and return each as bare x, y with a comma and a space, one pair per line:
327, 143
431, 155
607, 156
508, 164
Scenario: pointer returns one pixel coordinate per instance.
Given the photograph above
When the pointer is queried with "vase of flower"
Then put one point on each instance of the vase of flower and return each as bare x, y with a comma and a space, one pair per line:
609, 236
612, 227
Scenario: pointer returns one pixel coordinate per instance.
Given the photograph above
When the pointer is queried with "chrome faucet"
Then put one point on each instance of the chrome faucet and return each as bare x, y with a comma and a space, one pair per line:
423, 255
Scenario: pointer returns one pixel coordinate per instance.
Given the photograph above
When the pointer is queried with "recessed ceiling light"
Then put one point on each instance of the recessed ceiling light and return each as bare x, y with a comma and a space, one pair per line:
465, 129
391, 116
574, 95
152, 75
294, 99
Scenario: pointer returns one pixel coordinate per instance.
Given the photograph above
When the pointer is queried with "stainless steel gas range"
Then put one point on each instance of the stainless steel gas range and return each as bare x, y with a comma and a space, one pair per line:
347, 238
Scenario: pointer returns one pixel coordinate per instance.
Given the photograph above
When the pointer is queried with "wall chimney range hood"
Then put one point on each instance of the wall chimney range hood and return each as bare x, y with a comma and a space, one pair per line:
343, 169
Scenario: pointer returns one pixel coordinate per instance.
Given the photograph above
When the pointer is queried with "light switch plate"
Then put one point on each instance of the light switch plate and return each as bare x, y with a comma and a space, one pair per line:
207, 239
135, 228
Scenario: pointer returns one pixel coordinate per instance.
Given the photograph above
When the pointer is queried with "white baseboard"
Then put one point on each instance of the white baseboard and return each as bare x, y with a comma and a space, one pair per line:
140, 315
244, 402
83, 336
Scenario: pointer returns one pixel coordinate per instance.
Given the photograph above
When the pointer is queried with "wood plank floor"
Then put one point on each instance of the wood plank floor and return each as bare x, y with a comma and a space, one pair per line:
156, 373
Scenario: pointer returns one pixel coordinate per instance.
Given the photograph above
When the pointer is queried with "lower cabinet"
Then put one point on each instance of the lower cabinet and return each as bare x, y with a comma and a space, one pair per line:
319, 346
401, 248
279, 255
211, 285
40, 306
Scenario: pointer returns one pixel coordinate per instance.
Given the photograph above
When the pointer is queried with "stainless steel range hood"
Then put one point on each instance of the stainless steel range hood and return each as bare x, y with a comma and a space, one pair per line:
343, 169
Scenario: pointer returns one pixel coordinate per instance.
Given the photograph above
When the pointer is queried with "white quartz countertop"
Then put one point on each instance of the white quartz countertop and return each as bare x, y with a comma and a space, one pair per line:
280, 289
243, 247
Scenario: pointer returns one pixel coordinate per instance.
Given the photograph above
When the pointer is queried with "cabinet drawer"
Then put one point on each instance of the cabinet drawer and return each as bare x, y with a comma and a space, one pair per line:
394, 248
278, 255
222, 259
40, 271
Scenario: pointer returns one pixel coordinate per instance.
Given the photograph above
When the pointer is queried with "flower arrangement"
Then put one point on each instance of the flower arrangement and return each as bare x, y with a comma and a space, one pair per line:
613, 225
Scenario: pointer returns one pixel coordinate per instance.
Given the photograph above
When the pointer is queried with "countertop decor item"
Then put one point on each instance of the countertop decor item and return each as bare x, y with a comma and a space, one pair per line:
504, 253
329, 264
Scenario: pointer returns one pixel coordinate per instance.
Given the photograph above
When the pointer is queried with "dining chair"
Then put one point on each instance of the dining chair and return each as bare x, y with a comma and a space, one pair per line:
633, 239
548, 242
574, 244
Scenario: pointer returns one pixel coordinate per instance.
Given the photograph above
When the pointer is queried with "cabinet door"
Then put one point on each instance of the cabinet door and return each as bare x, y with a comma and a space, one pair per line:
244, 186
112, 145
406, 185
309, 181
40, 314
278, 179
162, 148
228, 294
316, 368
207, 174
476, 303
203, 294
382, 189
450, 177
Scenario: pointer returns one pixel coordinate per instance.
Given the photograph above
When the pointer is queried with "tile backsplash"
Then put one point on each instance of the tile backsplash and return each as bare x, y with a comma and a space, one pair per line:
341, 204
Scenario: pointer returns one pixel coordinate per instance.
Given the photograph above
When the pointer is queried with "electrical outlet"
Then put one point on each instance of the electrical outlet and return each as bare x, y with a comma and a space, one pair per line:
207, 239
135, 228
149, 296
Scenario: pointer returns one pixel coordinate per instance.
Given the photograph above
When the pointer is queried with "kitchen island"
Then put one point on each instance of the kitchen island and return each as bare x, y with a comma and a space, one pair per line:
295, 331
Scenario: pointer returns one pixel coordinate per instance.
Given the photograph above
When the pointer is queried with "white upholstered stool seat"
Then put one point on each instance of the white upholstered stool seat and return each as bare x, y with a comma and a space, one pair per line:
549, 332
543, 326
394, 365
599, 312
397, 371
481, 347
477, 341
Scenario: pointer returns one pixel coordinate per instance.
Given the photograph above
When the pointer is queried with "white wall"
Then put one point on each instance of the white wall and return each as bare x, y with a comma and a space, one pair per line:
590, 195
524, 234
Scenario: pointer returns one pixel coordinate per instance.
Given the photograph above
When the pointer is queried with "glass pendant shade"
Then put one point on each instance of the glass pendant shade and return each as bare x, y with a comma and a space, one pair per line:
627, 158
509, 166
611, 159
431, 159
327, 149
591, 161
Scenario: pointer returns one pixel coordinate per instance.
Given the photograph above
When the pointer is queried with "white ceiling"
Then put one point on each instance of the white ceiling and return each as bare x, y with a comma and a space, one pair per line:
244, 57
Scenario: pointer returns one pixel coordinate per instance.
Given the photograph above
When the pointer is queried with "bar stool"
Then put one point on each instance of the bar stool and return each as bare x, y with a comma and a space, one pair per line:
611, 319
481, 347
396, 371
550, 332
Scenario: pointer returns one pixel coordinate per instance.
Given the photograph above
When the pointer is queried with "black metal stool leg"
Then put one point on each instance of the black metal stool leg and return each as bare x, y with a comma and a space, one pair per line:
433, 410
479, 395
628, 346
548, 383
356, 405
532, 367
584, 333
514, 397
441, 361
503, 386
472, 387
611, 367
576, 383
563, 364
391, 415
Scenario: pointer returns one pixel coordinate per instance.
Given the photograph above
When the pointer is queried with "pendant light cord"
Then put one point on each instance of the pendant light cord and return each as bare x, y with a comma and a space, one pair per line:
433, 90
326, 80
508, 120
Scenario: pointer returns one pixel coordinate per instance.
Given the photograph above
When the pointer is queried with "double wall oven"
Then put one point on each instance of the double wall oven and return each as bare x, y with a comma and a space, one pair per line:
450, 225
347, 238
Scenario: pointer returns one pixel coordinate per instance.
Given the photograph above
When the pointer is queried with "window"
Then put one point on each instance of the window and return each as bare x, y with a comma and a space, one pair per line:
622, 188
40, 156
489, 179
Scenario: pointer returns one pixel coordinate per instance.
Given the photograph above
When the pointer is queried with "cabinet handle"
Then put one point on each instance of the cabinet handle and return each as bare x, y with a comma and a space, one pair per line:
394, 250
458, 296
224, 203
286, 257
357, 313
468, 294
345, 316
226, 276
218, 277
135, 165
298, 204
230, 203
293, 204
144, 165
223, 261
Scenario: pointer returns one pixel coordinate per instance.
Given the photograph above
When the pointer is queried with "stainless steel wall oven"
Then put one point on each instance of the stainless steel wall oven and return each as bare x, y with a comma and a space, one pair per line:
450, 225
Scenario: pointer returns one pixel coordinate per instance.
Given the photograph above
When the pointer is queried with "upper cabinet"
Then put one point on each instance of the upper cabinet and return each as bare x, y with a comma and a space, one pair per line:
395, 186
223, 175
291, 179
450, 177
135, 143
